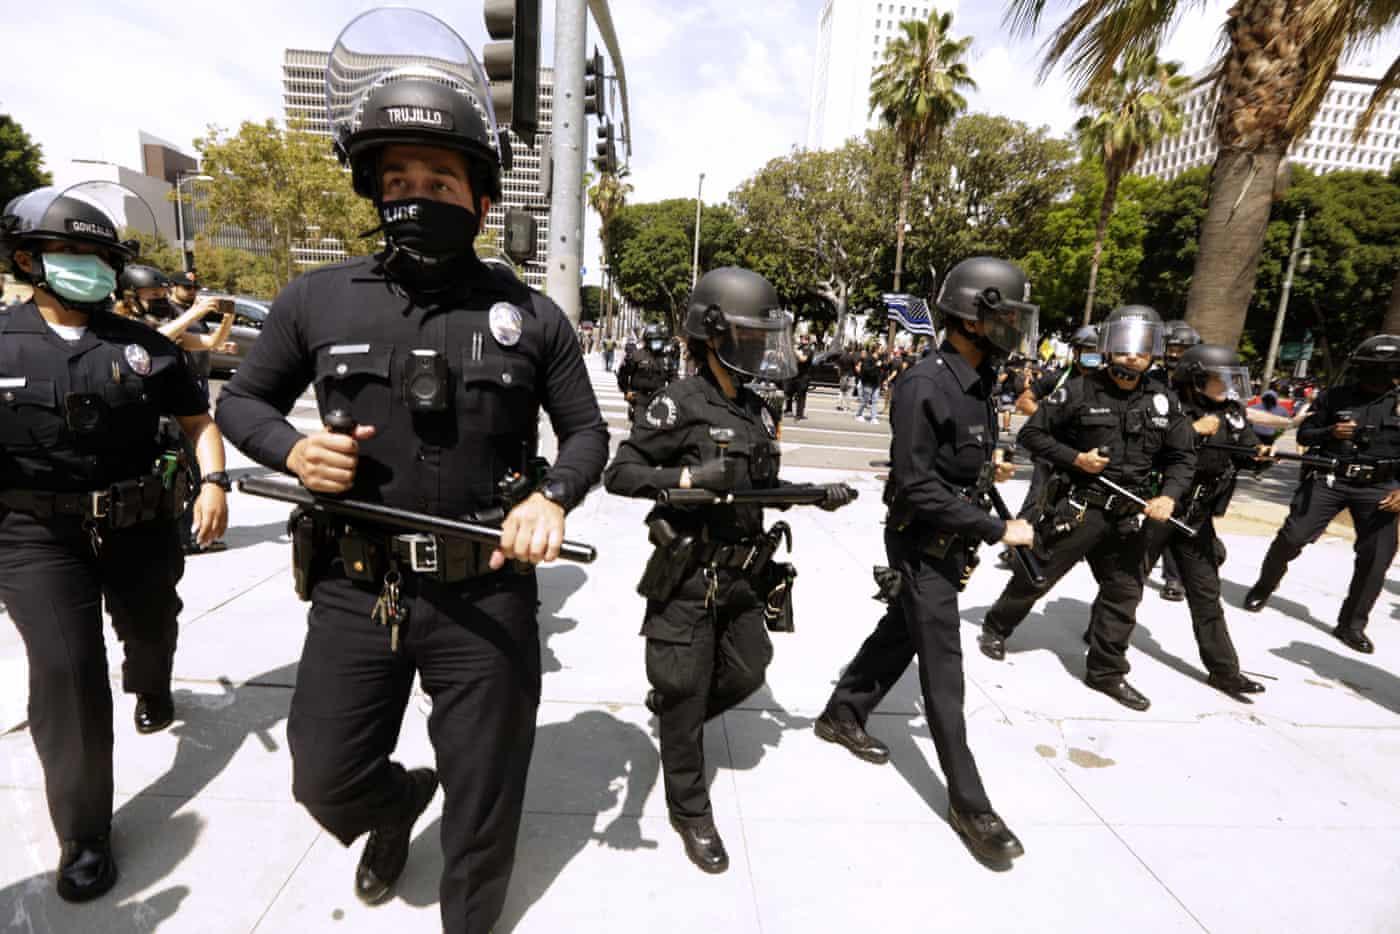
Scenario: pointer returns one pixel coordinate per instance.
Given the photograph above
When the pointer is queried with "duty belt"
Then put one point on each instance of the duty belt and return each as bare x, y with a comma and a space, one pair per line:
748, 555
1364, 472
1099, 498
367, 553
118, 506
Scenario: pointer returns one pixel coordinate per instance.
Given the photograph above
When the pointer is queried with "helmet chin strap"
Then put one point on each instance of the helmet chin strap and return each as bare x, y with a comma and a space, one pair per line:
1124, 373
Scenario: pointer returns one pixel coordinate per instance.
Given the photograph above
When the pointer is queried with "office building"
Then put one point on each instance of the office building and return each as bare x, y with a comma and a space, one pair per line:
1327, 146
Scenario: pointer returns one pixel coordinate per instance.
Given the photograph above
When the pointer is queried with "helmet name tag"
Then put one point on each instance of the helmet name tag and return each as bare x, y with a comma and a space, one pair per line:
87, 227
416, 116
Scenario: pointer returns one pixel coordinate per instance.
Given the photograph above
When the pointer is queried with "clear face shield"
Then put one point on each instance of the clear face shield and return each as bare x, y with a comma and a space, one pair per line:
1140, 336
50, 210
759, 348
1227, 384
1012, 327
391, 44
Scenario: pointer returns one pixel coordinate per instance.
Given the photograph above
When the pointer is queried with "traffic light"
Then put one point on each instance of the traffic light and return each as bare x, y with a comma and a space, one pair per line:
518, 239
594, 82
513, 64
605, 160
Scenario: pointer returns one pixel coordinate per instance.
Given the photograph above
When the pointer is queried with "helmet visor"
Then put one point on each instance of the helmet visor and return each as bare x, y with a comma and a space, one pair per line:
759, 348
1132, 336
391, 44
98, 212
1227, 384
1012, 327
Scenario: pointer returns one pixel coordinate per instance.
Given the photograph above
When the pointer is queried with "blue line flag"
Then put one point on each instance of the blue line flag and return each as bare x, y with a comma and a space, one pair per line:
910, 311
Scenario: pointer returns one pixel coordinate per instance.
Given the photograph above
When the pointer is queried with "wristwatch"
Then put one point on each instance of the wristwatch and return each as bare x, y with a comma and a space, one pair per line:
556, 493
220, 479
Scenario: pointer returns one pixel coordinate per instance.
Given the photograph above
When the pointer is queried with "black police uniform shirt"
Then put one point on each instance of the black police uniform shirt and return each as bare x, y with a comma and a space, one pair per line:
644, 372
1377, 417
1049, 382
506, 351
117, 380
1138, 429
943, 415
673, 431
1216, 467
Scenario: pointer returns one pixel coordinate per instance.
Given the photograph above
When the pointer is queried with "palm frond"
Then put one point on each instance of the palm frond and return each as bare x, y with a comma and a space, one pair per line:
1390, 81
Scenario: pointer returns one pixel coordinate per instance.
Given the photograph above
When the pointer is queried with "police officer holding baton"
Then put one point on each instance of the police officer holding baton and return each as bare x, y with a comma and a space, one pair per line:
439, 367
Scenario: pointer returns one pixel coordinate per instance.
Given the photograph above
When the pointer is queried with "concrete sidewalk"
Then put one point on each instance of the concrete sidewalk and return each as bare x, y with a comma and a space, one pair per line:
1202, 814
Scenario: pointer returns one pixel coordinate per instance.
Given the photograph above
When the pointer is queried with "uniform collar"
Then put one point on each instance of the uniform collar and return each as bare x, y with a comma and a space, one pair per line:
27, 319
716, 394
962, 368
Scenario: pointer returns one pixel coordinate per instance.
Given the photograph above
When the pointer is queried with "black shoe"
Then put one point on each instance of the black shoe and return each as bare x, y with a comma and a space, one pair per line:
86, 869
986, 835
1121, 691
1256, 598
992, 643
653, 702
852, 735
154, 712
1173, 592
386, 851
1236, 685
1004, 559
1355, 638
702, 843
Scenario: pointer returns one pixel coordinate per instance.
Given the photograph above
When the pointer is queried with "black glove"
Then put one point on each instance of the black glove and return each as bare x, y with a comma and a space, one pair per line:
837, 495
719, 475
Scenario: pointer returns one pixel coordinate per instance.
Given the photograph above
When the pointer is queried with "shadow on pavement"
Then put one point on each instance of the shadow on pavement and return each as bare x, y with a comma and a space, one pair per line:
1374, 684
556, 585
242, 536
601, 756
1058, 627
1233, 594
149, 838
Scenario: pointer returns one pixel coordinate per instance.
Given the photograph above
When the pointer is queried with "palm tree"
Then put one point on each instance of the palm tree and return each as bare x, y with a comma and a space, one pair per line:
1140, 104
1279, 58
917, 91
607, 197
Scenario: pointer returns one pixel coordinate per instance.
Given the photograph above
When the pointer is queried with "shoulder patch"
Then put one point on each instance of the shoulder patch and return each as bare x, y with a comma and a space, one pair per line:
1161, 404
661, 412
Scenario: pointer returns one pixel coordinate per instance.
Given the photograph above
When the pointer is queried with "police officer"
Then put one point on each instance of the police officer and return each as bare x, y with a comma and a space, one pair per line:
707, 642
1211, 386
945, 430
1357, 422
1085, 348
1180, 337
87, 512
1116, 424
650, 367
443, 365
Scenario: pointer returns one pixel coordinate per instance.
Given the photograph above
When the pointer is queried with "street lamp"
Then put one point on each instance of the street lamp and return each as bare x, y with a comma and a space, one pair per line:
180, 177
1294, 256
695, 261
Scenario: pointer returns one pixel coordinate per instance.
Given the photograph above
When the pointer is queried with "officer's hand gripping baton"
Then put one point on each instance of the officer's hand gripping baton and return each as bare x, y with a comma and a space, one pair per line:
1134, 498
1026, 558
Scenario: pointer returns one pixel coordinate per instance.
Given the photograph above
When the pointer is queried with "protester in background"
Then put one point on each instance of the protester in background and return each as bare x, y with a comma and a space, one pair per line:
869, 374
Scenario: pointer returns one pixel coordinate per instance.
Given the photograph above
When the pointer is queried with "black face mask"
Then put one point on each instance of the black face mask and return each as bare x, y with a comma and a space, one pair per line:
1122, 372
1375, 375
159, 308
430, 242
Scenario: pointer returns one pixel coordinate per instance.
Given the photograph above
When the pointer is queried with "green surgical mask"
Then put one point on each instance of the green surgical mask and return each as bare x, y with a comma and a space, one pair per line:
79, 277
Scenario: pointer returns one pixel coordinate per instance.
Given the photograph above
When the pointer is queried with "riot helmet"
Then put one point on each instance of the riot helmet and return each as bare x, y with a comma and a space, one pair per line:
1178, 337
1085, 342
742, 310
994, 292
1212, 375
1376, 362
73, 236
403, 77
137, 277
656, 336
1131, 329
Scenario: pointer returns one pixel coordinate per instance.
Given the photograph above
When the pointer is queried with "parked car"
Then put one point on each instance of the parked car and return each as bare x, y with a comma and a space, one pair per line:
248, 317
825, 371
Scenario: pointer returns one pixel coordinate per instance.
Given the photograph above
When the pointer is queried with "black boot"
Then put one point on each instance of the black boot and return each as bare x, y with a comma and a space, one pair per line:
86, 869
1258, 596
386, 851
1172, 591
1354, 638
992, 643
154, 712
986, 835
1121, 691
1236, 685
852, 735
653, 702
702, 842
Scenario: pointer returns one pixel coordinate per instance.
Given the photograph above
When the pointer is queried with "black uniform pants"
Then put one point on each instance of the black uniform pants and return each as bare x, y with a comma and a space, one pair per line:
1040, 476
922, 622
476, 648
703, 657
1114, 547
797, 397
54, 587
1315, 504
1197, 559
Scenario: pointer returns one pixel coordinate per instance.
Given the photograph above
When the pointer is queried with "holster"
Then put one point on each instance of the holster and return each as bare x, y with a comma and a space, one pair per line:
672, 560
777, 582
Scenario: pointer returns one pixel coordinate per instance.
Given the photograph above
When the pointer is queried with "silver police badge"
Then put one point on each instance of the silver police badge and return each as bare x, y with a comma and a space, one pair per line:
1235, 420
1160, 404
505, 324
138, 359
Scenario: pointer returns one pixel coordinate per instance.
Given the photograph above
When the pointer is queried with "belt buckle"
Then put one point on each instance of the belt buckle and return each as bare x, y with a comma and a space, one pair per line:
1356, 471
101, 501
1079, 506
422, 552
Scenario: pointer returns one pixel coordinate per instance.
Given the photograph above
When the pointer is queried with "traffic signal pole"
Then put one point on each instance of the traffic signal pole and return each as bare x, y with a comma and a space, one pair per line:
568, 139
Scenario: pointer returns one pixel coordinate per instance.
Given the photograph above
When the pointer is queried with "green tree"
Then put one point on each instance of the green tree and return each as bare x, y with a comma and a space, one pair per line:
607, 197
1279, 58
21, 161
649, 250
1138, 105
590, 303
285, 187
155, 250
1173, 212
237, 272
917, 90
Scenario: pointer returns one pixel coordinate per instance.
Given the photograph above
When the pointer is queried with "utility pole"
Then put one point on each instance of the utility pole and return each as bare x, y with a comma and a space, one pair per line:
1272, 358
564, 275
695, 260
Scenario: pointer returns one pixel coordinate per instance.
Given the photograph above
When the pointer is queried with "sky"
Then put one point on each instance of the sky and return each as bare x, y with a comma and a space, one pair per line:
716, 86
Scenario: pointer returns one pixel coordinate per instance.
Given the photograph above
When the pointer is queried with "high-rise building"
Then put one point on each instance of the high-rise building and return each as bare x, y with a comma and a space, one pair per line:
304, 101
851, 40
1327, 146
